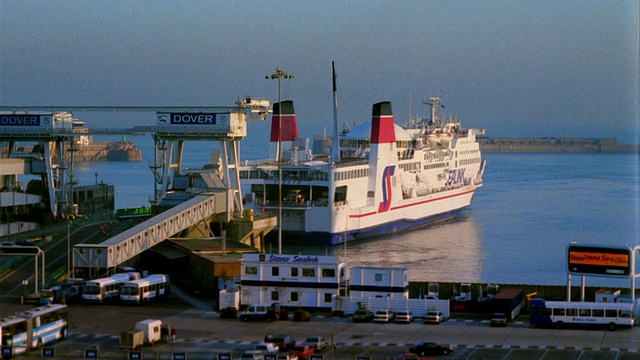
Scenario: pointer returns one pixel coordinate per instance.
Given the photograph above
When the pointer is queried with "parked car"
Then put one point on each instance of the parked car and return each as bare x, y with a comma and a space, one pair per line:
266, 312
430, 348
302, 351
384, 316
411, 357
363, 315
267, 348
404, 316
229, 312
433, 317
24, 242
283, 342
318, 343
499, 319
289, 356
252, 355
301, 315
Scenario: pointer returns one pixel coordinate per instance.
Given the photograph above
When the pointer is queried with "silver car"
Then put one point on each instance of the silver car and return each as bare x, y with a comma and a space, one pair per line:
404, 316
384, 316
433, 317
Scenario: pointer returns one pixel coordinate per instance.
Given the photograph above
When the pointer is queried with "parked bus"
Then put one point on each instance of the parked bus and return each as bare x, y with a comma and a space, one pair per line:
588, 315
106, 289
151, 288
34, 328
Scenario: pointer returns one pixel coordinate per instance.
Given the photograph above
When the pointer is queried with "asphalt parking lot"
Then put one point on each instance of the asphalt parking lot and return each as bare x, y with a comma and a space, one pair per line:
201, 334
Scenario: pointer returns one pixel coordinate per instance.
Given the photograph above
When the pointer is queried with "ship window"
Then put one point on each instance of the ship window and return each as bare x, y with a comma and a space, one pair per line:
378, 277
293, 296
340, 195
250, 270
327, 297
294, 271
275, 271
275, 296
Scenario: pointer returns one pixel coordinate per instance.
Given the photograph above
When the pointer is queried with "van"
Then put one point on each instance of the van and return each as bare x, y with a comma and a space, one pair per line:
151, 330
268, 312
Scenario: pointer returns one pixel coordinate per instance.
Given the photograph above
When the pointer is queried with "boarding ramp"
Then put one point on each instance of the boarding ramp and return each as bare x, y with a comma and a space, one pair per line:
128, 244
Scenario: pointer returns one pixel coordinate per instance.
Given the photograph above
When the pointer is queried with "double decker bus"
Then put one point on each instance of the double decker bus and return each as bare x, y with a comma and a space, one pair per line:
141, 291
105, 289
581, 315
33, 328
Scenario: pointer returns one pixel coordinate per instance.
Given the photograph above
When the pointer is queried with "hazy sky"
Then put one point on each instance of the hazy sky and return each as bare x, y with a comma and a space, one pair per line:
515, 68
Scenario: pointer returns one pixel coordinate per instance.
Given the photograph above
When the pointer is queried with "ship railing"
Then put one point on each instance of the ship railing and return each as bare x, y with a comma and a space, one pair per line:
292, 203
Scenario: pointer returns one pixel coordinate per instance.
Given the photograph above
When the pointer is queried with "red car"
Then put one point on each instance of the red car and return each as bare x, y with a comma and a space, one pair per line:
303, 351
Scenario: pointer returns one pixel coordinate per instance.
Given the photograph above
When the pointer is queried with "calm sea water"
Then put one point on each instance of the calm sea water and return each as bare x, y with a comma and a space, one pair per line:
516, 230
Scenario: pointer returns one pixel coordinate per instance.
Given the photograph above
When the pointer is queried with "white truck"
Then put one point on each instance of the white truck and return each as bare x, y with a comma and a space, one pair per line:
145, 332
151, 330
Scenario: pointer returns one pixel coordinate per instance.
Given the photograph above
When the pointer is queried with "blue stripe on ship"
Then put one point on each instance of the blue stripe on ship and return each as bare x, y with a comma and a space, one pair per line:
327, 239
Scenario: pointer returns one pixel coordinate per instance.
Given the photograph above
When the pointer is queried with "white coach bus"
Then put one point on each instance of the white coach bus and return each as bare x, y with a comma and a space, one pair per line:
140, 291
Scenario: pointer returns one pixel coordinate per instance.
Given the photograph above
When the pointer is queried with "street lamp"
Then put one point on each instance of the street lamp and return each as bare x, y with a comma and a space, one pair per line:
68, 247
279, 74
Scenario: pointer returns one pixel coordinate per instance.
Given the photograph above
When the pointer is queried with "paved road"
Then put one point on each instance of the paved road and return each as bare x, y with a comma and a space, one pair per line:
201, 334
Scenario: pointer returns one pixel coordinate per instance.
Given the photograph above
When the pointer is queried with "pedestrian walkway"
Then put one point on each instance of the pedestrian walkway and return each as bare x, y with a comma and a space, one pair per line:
198, 304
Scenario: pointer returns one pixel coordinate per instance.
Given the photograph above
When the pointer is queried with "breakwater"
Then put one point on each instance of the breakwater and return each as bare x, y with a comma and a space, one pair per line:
553, 145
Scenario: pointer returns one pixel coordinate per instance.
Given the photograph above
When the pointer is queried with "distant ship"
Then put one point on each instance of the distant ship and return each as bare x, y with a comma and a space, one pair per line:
85, 150
386, 178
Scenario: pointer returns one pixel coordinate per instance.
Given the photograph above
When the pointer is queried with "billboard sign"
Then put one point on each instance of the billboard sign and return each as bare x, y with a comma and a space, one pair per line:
599, 260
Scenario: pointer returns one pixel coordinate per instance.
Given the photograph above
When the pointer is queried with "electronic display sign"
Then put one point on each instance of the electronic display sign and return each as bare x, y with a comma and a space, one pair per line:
596, 260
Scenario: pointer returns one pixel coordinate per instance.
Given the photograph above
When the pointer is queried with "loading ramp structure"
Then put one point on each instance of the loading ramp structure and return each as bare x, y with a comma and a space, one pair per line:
103, 258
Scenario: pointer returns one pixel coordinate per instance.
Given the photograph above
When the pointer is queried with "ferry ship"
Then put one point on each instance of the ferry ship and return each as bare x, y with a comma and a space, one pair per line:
379, 179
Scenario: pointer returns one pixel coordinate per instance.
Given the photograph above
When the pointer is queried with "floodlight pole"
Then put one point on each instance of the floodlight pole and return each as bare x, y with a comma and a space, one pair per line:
279, 74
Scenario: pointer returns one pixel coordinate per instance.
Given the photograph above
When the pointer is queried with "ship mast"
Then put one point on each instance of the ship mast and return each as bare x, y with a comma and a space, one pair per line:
335, 145
434, 102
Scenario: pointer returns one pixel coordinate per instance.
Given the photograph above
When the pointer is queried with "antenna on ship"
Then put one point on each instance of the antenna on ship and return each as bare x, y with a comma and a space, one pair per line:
434, 102
335, 146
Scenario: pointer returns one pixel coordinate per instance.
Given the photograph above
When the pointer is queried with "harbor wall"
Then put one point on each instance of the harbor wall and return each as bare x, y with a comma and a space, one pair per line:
553, 145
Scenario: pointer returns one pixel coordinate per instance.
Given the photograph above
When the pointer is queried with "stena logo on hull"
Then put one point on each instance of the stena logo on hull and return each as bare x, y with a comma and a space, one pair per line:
192, 118
386, 188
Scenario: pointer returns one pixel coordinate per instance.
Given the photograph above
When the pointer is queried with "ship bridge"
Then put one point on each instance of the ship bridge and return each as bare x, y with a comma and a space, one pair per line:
174, 125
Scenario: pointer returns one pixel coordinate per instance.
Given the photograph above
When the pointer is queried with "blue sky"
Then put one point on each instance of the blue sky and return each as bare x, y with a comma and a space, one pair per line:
515, 68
